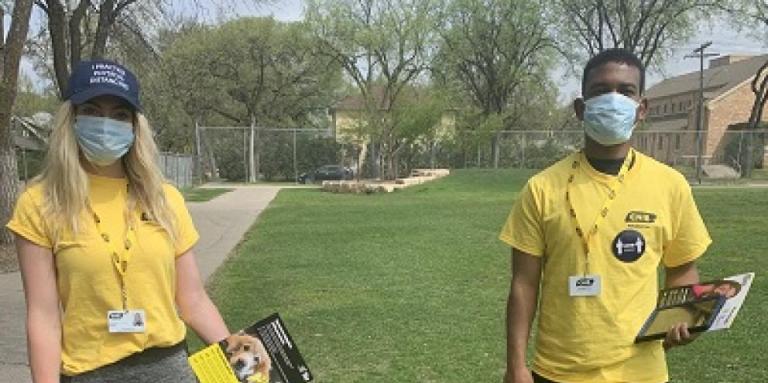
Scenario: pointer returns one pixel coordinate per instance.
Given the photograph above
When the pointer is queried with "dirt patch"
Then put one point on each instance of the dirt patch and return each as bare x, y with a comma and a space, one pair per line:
8, 260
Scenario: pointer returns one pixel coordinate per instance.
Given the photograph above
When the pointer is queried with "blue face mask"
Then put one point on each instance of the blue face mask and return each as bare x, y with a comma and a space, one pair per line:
610, 118
103, 140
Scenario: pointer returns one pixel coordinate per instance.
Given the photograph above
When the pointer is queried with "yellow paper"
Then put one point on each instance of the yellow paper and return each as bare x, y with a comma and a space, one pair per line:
211, 366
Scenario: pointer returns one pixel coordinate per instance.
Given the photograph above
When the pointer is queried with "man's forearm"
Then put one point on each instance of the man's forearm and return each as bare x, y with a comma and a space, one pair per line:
682, 275
521, 306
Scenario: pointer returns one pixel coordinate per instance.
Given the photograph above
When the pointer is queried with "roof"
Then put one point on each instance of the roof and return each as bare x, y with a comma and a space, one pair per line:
29, 135
717, 80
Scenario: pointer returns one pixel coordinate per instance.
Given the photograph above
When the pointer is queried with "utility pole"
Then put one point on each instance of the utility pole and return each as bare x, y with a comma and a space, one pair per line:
699, 53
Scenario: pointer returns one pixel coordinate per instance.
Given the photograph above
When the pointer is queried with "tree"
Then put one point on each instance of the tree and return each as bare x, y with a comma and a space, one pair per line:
10, 54
78, 30
383, 47
645, 27
491, 49
84, 29
745, 14
421, 122
253, 71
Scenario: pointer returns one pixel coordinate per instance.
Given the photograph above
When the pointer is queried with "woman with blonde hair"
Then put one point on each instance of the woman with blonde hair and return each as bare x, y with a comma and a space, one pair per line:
105, 246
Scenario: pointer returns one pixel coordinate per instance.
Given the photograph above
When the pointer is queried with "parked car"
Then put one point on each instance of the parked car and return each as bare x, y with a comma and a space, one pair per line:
326, 172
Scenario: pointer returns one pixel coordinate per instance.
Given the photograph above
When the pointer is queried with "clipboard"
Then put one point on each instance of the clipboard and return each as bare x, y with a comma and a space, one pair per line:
699, 314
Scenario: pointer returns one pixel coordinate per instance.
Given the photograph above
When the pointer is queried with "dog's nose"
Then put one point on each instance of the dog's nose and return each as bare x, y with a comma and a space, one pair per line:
239, 364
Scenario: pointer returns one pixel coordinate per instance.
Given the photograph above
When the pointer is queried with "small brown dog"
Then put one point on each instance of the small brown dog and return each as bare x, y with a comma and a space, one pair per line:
247, 356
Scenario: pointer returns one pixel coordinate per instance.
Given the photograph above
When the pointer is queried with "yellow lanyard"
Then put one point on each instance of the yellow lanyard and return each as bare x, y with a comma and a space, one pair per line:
614, 188
119, 258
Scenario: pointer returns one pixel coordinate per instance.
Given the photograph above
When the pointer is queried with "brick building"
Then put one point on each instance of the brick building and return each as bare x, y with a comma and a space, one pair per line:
670, 132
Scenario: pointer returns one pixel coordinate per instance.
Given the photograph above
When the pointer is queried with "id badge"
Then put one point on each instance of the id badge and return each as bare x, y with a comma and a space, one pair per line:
126, 321
584, 286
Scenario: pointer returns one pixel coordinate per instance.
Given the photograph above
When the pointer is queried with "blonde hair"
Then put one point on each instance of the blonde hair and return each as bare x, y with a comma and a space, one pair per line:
65, 182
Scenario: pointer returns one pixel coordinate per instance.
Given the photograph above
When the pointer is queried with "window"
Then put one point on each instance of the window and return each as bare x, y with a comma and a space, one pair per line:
661, 142
665, 108
677, 142
681, 106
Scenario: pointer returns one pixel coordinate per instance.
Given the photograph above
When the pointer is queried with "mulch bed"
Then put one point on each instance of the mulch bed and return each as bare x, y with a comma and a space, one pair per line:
8, 262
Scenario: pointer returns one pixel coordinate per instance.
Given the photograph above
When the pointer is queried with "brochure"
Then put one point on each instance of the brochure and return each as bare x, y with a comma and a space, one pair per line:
262, 353
705, 306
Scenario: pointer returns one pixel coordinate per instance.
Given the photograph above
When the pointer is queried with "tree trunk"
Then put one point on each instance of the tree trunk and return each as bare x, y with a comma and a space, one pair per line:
391, 172
360, 152
9, 188
375, 168
58, 32
2, 43
395, 165
75, 40
102, 29
11, 50
432, 155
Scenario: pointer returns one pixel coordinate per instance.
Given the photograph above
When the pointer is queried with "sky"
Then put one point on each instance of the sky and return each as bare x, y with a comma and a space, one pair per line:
725, 40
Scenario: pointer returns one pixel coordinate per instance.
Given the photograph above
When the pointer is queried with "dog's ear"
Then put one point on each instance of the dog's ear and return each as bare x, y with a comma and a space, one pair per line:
232, 343
229, 349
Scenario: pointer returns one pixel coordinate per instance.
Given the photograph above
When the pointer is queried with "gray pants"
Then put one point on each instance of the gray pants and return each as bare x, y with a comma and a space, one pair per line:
156, 365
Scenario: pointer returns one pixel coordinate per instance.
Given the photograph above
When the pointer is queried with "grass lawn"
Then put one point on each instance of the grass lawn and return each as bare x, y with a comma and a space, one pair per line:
203, 195
411, 286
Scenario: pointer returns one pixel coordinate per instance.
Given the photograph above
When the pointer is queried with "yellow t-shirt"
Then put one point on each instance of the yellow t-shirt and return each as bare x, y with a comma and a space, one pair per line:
88, 283
653, 220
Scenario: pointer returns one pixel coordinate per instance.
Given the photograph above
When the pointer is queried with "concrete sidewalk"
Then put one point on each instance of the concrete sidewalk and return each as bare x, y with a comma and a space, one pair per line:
221, 223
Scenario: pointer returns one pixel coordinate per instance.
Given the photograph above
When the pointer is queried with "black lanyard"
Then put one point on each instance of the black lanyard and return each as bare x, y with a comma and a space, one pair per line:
615, 187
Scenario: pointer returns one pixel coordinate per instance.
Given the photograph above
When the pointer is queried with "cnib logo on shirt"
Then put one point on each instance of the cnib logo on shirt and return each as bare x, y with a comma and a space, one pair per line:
585, 282
640, 217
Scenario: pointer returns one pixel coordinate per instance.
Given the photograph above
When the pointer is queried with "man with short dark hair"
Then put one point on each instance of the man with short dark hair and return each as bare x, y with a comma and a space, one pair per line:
587, 236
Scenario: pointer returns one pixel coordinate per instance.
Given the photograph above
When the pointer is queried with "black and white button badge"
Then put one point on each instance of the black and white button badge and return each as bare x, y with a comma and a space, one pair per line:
628, 246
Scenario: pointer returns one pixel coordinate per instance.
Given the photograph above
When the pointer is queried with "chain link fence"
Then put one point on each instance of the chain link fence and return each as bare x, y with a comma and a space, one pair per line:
281, 154
179, 169
725, 154
276, 154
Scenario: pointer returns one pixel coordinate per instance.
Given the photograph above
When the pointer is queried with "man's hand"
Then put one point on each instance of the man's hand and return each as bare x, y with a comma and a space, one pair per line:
678, 336
518, 375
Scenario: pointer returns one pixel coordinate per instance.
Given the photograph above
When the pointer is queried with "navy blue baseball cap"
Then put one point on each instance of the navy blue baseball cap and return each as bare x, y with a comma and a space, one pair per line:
95, 78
